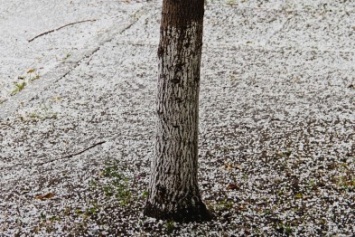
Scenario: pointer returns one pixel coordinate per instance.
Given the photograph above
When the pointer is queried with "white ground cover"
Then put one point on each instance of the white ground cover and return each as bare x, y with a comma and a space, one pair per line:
277, 119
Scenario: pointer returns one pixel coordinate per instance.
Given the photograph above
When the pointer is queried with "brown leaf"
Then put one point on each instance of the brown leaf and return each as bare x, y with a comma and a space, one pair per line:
31, 70
45, 196
232, 186
230, 166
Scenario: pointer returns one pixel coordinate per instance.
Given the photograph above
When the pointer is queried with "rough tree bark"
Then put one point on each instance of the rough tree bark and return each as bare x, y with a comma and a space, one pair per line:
173, 188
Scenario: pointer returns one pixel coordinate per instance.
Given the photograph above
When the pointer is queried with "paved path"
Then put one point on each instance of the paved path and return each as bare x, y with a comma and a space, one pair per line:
44, 35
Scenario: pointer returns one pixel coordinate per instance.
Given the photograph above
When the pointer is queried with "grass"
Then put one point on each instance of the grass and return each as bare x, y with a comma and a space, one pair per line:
68, 55
144, 195
114, 184
42, 113
298, 195
346, 182
231, 2
224, 205
228, 2
19, 86
170, 226
284, 229
31, 75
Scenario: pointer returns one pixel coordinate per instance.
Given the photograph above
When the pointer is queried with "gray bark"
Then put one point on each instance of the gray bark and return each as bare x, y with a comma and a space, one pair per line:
173, 188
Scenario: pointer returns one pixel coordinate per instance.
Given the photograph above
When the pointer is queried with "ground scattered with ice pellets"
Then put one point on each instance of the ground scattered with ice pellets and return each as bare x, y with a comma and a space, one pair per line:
277, 118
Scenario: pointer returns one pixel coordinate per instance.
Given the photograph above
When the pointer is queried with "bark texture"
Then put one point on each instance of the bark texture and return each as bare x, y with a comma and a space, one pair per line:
173, 189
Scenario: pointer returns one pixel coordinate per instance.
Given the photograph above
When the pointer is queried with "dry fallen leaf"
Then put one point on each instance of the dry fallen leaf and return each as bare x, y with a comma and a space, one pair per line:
230, 166
232, 186
32, 70
44, 196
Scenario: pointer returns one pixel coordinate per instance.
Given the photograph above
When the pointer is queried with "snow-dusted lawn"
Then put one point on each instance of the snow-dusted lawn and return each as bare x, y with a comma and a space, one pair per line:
277, 121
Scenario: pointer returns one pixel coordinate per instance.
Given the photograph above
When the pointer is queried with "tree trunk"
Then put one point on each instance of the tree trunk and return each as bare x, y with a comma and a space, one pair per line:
173, 188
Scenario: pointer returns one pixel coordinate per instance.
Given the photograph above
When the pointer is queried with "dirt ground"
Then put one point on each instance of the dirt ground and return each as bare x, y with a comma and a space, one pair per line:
277, 121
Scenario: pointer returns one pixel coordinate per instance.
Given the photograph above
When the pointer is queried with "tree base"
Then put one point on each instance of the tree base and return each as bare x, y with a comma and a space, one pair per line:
198, 213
